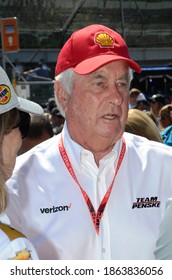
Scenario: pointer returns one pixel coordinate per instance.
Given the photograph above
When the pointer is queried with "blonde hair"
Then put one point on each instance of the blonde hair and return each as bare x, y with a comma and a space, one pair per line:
141, 124
7, 122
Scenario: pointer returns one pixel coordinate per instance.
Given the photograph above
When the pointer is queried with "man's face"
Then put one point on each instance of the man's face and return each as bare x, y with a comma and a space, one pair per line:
133, 97
165, 118
98, 104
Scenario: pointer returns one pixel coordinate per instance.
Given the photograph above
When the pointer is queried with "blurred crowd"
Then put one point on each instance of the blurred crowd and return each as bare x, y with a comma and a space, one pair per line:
43, 127
150, 116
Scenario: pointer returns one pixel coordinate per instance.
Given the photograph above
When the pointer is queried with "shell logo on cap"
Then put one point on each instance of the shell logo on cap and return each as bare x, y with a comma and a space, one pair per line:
104, 40
5, 94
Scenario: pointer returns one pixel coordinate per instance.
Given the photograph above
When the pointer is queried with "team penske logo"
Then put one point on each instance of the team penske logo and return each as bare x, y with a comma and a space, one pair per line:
104, 40
146, 202
5, 94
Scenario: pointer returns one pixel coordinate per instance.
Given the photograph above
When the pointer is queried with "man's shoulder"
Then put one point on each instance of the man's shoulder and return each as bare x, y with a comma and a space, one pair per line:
142, 143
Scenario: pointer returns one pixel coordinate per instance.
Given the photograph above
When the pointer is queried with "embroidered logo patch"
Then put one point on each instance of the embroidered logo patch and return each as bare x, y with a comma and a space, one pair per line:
5, 94
104, 40
22, 255
146, 202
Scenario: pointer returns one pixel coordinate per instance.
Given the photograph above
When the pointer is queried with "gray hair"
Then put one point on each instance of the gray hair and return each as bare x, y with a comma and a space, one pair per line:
66, 79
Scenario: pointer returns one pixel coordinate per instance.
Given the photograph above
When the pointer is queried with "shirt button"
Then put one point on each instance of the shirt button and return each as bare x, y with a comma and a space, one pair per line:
103, 250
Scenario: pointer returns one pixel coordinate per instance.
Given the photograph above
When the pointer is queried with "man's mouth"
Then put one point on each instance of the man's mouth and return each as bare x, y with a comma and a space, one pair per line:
110, 117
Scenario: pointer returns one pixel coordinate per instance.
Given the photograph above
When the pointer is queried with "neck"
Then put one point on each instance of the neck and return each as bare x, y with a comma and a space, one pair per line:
98, 146
99, 151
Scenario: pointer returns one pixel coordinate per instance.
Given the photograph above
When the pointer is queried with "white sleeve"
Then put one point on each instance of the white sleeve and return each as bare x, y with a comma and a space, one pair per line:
164, 243
19, 249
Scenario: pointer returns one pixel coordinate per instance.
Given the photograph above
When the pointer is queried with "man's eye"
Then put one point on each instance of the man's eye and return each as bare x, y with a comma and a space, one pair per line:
122, 84
100, 84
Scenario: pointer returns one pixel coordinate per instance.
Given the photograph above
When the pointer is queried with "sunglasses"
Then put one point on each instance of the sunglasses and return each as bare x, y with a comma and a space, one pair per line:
23, 123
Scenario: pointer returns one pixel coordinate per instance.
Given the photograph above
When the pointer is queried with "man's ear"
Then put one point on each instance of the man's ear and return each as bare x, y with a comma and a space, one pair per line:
61, 95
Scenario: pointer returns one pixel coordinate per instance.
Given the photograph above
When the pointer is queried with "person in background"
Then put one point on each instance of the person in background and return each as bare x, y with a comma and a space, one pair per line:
139, 123
41, 72
133, 94
157, 101
40, 130
57, 120
50, 105
141, 102
14, 125
93, 191
19, 68
150, 115
165, 115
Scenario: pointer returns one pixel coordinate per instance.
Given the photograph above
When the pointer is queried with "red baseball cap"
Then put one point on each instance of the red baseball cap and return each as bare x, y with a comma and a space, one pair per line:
92, 47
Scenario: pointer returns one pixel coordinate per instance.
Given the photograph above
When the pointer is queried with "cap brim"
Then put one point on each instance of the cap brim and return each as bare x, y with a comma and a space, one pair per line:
92, 64
29, 106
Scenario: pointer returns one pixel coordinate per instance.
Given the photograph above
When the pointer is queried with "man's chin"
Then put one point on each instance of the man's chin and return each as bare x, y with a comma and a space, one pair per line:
111, 135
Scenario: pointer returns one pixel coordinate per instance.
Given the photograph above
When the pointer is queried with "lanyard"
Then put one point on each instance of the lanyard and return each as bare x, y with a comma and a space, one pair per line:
95, 216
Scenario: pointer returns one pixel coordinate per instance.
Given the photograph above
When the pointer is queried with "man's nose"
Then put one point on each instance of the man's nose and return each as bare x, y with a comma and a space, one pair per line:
116, 96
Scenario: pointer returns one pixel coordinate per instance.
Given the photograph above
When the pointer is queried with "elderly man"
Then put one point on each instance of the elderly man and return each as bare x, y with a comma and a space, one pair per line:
93, 191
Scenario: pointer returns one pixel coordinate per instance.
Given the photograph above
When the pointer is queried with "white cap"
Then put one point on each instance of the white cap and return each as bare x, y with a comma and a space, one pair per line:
10, 100
141, 97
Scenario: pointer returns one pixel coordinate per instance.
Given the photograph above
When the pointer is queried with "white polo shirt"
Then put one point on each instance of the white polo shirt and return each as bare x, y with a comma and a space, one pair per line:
47, 205
164, 242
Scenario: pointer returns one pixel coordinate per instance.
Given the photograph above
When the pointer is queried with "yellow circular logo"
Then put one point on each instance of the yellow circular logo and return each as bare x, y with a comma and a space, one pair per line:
5, 94
104, 40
